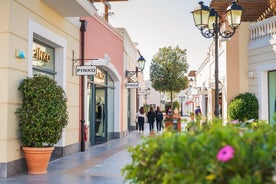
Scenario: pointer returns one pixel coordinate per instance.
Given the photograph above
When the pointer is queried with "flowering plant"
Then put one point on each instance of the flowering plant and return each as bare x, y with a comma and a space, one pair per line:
217, 154
225, 154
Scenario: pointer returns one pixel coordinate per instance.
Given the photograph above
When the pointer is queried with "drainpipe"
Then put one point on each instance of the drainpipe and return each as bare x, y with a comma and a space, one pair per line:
82, 104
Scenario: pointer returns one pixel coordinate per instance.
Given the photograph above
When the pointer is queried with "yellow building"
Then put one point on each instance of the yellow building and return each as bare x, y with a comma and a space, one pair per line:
38, 36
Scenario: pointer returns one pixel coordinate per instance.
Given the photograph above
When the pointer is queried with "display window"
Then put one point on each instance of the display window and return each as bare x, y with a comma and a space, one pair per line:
43, 59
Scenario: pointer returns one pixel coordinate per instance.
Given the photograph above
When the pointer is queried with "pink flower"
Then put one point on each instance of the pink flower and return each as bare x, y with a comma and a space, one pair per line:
234, 122
225, 154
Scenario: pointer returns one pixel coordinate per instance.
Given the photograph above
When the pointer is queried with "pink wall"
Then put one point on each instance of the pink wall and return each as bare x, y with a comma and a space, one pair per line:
100, 39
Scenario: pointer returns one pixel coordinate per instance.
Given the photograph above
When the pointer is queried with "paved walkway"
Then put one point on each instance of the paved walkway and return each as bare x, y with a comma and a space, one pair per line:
99, 164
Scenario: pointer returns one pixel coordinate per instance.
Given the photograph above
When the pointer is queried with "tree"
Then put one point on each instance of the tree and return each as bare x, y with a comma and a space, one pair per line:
167, 70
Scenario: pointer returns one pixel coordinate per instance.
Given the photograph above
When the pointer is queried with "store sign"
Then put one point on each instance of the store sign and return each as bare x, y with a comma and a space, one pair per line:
142, 92
41, 55
86, 70
132, 85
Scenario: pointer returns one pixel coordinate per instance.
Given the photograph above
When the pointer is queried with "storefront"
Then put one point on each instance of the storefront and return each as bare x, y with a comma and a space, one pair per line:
42, 42
100, 107
105, 110
271, 96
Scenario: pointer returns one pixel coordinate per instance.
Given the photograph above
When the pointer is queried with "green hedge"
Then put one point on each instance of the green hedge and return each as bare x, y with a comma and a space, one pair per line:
244, 107
197, 157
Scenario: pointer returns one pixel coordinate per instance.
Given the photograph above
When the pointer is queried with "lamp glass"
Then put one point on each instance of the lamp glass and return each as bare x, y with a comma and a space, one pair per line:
234, 18
201, 15
211, 22
233, 15
141, 63
212, 19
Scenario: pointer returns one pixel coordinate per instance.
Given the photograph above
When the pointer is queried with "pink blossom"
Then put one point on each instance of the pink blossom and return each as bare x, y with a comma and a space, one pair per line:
225, 154
234, 122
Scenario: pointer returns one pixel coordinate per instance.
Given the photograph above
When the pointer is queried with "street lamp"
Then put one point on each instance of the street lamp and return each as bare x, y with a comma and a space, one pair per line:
208, 22
141, 65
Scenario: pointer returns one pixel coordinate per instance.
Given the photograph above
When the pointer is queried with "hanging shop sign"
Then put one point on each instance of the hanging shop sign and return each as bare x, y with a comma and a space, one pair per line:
132, 85
86, 70
143, 92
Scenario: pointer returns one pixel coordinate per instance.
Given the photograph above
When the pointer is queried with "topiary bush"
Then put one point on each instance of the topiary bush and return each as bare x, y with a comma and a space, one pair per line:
243, 107
219, 155
43, 114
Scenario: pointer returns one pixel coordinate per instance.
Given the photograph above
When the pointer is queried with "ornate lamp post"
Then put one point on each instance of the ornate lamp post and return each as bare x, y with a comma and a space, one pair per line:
141, 65
208, 22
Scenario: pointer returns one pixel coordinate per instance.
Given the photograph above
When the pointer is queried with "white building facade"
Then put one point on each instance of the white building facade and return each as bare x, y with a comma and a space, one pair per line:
262, 66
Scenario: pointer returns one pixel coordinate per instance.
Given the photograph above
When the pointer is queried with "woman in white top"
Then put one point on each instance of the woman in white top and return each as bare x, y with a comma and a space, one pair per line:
141, 119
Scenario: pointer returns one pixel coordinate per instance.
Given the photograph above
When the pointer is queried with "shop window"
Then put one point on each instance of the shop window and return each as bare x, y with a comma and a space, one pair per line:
43, 59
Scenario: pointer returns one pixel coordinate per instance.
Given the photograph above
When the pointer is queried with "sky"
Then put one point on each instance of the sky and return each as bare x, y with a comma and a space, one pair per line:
154, 24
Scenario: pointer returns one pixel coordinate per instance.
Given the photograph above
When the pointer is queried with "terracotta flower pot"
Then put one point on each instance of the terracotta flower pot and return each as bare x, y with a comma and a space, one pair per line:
37, 159
152, 133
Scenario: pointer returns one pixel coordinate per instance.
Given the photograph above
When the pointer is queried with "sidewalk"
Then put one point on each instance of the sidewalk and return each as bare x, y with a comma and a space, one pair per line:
99, 164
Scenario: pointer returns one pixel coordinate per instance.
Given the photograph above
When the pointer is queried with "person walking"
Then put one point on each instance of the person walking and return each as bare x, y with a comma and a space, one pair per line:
151, 118
169, 111
198, 114
159, 119
198, 111
141, 116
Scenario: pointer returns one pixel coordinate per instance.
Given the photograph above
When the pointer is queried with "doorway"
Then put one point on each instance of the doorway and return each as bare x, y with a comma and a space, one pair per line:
271, 96
100, 130
100, 107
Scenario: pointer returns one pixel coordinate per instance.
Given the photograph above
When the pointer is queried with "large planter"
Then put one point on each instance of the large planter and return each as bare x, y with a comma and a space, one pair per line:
173, 123
42, 117
37, 159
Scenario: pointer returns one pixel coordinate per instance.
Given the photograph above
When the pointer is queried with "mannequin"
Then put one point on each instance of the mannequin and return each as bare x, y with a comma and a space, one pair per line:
99, 116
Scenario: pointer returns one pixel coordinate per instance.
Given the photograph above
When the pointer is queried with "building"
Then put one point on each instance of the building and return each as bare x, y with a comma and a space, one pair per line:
104, 48
131, 56
262, 65
47, 29
50, 39
153, 98
246, 62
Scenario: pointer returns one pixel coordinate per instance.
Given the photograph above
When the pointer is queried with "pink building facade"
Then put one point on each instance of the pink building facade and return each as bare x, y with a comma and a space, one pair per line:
104, 48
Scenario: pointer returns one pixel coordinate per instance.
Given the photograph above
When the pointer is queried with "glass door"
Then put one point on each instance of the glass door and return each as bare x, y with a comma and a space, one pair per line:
100, 115
100, 107
271, 96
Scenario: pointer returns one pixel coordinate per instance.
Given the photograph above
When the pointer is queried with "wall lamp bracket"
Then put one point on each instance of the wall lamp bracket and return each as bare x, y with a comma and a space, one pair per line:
130, 73
74, 61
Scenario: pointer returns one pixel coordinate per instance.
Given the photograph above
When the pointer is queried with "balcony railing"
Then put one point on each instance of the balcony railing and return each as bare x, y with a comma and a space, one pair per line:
263, 29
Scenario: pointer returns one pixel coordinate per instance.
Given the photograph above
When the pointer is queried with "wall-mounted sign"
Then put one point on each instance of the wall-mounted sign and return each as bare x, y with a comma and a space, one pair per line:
143, 92
132, 85
86, 70
41, 55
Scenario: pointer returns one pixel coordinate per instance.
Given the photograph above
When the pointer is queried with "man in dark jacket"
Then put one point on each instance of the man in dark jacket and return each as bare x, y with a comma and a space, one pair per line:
159, 118
151, 118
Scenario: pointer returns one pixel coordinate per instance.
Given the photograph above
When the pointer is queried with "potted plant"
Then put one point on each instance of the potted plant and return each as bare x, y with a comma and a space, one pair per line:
42, 117
173, 123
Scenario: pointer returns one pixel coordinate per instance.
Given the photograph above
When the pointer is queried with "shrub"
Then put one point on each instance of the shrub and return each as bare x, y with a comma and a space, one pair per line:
244, 107
217, 155
43, 113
